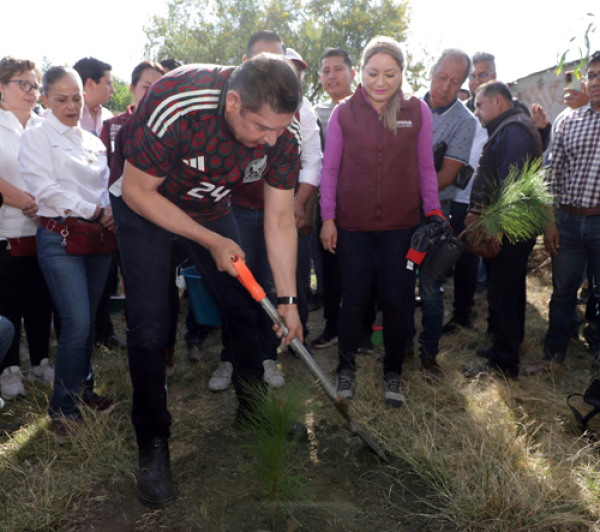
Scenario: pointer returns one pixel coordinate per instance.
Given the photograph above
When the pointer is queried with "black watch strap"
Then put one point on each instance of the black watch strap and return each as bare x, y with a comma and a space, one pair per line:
287, 300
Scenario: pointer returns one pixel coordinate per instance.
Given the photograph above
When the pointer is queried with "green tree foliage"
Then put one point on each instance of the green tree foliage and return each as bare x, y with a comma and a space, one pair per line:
217, 31
122, 96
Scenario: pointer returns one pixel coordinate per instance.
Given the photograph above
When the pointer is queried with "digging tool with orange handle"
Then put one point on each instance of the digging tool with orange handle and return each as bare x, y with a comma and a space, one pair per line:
340, 403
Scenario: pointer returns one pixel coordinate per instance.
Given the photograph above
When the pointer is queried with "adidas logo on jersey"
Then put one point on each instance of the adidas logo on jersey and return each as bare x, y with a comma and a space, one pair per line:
195, 162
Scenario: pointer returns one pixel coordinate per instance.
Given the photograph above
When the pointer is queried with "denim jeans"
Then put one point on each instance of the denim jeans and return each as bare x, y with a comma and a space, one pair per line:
7, 333
252, 236
76, 283
145, 253
579, 241
432, 312
361, 255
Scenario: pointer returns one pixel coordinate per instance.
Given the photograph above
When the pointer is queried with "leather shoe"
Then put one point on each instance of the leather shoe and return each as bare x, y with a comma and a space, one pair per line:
455, 325
155, 486
112, 342
195, 353
484, 352
432, 372
543, 367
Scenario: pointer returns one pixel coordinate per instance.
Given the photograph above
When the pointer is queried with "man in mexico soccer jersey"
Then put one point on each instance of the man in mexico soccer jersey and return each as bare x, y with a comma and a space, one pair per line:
199, 132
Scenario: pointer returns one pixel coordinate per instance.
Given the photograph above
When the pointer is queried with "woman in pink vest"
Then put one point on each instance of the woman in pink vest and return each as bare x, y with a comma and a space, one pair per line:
378, 173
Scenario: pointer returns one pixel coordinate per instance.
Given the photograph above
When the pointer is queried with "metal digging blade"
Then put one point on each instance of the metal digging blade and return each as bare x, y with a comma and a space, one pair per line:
340, 403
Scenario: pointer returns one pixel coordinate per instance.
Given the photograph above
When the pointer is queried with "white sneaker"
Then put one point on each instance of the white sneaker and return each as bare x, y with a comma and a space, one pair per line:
1, 403
11, 383
221, 378
42, 374
273, 375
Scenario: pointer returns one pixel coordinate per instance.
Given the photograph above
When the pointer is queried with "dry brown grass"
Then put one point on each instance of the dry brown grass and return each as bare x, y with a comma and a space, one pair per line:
500, 456
497, 456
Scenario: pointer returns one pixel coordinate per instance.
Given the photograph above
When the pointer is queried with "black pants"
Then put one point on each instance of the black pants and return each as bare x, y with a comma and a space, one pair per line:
507, 298
332, 293
146, 259
24, 294
104, 325
465, 270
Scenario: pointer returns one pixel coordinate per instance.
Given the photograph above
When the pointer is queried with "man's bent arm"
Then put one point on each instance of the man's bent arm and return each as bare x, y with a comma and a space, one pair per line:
448, 171
140, 193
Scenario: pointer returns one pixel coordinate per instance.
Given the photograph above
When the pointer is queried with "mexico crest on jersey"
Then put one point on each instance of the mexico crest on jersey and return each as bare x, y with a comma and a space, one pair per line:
255, 170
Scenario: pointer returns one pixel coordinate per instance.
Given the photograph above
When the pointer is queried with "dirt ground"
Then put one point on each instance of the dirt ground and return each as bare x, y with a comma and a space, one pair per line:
347, 487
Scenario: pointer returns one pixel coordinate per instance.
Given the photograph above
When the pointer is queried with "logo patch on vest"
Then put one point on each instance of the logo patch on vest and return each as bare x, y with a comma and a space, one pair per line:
404, 123
255, 170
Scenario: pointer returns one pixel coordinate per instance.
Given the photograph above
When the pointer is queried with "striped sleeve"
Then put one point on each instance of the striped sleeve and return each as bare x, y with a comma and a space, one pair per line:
161, 125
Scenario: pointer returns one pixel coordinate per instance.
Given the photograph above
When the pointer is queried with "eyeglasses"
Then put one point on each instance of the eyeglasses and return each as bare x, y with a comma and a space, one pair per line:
25, 85
481, 76
591, 77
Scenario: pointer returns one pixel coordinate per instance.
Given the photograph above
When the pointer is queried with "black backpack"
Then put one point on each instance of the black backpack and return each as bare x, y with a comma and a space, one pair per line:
591, 397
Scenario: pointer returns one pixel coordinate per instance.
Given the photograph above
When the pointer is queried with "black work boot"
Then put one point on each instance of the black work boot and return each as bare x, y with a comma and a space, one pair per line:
155, 486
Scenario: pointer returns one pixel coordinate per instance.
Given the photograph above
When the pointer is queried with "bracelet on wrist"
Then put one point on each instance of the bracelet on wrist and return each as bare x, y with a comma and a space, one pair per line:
287, 300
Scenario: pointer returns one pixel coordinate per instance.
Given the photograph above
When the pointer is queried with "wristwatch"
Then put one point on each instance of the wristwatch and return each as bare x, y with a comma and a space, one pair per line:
287, 300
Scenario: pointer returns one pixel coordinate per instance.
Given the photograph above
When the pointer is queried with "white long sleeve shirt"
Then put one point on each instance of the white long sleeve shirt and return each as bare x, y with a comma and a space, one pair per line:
14, 223
311, 156
65, 169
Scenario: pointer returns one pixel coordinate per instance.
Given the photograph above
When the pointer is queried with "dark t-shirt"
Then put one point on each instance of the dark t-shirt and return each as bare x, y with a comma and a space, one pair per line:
180, 133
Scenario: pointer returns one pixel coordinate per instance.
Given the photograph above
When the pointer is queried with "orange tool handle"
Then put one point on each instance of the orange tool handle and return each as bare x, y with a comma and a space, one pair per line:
247, 279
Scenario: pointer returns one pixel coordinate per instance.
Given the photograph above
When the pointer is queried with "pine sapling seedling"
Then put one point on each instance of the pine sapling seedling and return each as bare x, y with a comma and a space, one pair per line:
269, 423
520, 209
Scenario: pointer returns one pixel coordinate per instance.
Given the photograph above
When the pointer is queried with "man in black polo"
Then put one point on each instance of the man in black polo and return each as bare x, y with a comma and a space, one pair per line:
513, 139
199, 132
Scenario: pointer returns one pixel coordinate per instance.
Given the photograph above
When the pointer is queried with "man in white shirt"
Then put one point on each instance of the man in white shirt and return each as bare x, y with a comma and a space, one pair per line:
248, 208
98, 90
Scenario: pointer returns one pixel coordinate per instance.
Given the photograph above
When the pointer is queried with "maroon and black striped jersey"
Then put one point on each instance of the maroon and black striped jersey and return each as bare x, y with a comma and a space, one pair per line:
180, 133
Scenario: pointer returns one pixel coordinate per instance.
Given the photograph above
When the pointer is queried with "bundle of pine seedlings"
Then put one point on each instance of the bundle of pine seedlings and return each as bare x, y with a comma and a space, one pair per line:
520, 208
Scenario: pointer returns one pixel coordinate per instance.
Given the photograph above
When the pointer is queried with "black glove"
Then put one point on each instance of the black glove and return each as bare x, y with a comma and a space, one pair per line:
425, 236
438, 225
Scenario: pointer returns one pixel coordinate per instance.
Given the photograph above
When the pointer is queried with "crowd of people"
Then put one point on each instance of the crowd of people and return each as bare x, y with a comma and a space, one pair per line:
214, 161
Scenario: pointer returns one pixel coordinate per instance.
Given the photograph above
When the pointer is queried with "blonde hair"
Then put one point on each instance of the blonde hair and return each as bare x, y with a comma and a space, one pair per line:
385, 45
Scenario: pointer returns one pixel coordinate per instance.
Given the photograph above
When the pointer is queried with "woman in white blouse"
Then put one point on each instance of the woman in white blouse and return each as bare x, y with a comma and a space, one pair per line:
66, 172
23, 290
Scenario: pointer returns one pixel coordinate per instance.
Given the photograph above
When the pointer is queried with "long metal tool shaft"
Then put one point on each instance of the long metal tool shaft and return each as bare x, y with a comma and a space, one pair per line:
340, 403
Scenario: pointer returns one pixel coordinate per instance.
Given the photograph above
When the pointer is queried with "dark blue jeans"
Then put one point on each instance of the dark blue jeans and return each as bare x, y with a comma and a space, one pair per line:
579, 241
145, 254
361, 255
507, 297
76, 283
432, 313
7, 333
252, 236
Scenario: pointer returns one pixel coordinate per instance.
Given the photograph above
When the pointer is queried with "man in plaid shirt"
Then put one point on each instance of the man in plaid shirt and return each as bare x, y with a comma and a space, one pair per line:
574, 178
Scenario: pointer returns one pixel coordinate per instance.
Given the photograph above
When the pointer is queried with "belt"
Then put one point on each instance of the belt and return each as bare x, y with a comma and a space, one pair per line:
53, 225
580, 211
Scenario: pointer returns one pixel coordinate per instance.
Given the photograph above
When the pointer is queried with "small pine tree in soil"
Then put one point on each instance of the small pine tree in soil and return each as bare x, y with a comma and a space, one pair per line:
273, 415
